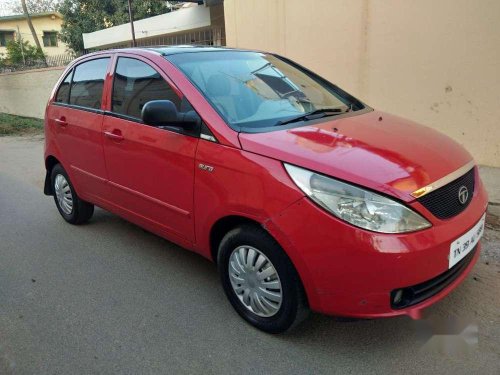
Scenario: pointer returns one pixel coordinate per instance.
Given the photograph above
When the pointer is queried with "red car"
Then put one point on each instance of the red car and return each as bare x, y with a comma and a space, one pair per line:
305, 197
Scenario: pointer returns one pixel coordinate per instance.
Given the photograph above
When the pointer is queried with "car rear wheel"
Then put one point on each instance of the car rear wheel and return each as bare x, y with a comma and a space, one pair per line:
73, 209
260, 280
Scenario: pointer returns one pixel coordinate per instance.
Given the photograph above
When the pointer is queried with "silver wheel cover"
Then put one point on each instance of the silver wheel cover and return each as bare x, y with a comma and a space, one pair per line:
255, 281
63, 194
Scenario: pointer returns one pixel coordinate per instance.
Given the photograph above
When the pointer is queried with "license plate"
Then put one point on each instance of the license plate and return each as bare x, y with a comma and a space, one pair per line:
464, 244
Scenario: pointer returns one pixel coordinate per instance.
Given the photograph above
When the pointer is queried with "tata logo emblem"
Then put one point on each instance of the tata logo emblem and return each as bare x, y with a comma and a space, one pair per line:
463, 194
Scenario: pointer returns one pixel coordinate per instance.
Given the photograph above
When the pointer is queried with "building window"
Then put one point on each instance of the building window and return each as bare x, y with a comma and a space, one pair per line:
50, 38
6, 37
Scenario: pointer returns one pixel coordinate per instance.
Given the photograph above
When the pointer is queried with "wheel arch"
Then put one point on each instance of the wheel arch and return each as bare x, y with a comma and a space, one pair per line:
224, 225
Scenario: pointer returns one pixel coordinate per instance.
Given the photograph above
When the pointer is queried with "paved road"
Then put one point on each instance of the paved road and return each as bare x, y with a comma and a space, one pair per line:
109, 297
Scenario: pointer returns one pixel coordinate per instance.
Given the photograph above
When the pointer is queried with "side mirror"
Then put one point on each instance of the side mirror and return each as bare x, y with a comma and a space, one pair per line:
164, 113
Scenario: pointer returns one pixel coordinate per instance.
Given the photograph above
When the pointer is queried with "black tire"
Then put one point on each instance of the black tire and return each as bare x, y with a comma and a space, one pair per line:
82, 211
293, 309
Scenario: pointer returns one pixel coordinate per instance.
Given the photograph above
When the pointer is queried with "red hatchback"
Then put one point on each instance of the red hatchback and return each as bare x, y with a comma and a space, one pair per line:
304, 196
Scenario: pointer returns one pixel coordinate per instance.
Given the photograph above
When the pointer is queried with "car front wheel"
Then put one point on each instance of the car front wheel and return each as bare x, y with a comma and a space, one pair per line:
260, 280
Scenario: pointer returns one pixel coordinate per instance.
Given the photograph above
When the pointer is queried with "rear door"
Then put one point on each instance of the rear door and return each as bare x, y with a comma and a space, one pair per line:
150, 169
76, 116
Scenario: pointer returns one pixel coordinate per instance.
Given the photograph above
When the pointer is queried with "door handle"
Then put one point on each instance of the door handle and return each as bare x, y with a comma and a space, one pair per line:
61, 122
114, 135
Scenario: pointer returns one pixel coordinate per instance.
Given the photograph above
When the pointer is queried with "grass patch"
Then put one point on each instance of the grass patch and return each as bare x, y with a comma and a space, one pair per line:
18, 125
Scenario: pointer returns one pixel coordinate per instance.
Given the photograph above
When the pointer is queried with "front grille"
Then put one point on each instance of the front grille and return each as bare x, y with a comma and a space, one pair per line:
420, 292
444, 202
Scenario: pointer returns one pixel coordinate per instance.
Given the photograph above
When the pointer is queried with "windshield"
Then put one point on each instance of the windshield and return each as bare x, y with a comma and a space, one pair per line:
253, 90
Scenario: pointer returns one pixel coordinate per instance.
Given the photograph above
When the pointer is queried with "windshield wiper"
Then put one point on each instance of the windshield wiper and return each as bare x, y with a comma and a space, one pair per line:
261, 68
317, 113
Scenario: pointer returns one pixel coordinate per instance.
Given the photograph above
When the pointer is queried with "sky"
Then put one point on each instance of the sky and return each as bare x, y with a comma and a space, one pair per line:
6, 7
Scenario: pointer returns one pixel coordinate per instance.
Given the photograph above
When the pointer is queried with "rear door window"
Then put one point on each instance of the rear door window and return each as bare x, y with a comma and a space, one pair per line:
88, 83
62, 95
135, 84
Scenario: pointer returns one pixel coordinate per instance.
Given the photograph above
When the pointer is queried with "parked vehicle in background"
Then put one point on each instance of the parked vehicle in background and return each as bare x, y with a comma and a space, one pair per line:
305, 197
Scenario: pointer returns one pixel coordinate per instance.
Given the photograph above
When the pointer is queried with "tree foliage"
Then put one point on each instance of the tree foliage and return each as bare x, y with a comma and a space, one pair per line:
17, 49
85, 16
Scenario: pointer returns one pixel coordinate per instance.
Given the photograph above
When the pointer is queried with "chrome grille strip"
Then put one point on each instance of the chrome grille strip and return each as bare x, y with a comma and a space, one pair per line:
443, 181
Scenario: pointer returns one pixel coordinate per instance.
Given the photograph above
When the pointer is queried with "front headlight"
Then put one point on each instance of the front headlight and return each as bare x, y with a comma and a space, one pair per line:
357, 206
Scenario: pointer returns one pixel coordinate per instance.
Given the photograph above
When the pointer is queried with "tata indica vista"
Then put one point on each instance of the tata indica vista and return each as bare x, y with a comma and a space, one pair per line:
304, 196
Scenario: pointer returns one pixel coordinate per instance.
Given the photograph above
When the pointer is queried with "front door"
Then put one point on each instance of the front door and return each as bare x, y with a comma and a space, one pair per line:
150, 169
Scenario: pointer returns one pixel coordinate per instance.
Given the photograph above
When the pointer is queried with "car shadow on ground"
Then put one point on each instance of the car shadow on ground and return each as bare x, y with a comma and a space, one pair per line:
318, 332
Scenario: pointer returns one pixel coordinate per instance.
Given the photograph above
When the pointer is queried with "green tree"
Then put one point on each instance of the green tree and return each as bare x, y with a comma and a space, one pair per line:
86, 16
3, 61
32, 29
22, 52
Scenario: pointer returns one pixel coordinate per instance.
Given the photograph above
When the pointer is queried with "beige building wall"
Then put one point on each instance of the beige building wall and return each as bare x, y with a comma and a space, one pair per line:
26, 93
435, 62
41, 24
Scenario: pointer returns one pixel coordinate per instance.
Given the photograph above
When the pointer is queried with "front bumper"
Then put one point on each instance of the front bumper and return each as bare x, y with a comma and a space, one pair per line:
347, 271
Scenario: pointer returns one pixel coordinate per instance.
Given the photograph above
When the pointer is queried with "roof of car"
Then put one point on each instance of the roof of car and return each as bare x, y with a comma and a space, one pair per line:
163, 50
172, 50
